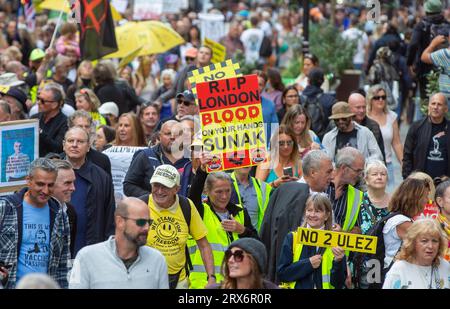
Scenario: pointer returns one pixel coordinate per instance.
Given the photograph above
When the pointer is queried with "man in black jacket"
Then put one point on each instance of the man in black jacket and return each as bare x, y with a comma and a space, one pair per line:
144, 162
83, 120
62, 191
357, 104
421, 38
93, 197
52, 122
427, 144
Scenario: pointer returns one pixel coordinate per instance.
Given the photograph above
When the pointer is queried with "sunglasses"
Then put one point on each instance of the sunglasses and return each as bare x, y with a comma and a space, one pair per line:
140, 222
288, 143
45, 101
190, 59
380, 97
185, 103
238, 255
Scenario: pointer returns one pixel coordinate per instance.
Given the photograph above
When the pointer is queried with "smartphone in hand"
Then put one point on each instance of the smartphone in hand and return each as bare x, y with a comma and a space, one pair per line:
287, 171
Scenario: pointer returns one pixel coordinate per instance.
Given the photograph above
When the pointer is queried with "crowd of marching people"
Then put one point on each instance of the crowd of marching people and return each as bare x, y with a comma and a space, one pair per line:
330, 165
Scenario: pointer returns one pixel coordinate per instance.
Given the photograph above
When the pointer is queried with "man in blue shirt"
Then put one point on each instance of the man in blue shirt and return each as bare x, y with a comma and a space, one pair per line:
40, 244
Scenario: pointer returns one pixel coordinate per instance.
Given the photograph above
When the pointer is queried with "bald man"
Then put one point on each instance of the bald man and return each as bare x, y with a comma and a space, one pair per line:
144, 162
427, 144
123, 261
357, 103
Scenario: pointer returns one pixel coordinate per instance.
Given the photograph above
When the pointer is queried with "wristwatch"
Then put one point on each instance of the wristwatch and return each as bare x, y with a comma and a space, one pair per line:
208, 276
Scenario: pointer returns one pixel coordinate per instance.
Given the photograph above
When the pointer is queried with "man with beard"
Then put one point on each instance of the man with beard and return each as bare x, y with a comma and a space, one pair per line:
149, 116
348, 133
123, 261
144, 162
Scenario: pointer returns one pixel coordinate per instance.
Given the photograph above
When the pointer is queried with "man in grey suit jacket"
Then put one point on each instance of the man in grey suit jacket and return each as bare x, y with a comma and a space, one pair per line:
287, 203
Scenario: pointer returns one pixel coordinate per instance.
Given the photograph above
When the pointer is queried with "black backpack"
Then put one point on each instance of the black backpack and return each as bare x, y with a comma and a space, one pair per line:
315, 111
359, 258
433, 30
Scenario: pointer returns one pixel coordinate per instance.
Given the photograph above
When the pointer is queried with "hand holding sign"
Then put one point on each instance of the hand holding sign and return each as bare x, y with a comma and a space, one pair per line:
316, 260
205, 158
338, 253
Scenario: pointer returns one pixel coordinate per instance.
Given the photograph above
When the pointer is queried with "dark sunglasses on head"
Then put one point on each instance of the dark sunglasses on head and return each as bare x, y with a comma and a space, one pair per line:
238, 255
186, 103
380, 97
140, 222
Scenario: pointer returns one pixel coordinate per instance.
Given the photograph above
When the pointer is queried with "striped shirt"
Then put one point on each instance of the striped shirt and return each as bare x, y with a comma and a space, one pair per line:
340, 205
441, 59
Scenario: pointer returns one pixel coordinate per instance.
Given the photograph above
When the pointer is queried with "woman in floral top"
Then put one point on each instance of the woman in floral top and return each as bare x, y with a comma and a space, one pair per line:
376, 199
442, 199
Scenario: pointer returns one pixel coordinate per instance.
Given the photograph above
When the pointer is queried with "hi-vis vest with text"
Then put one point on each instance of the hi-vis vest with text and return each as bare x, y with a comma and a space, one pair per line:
327, 263
262, 194
219, 240
354, 201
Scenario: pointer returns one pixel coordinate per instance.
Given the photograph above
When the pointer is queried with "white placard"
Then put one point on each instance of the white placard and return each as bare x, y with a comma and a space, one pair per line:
212, 26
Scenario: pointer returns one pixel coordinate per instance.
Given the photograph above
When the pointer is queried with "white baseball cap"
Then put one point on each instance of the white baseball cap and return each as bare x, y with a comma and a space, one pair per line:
166, 175
109, 108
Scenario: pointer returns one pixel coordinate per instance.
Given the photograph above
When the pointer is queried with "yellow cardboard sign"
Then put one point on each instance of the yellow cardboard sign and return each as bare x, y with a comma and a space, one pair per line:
216, 71
347, 241
219, 51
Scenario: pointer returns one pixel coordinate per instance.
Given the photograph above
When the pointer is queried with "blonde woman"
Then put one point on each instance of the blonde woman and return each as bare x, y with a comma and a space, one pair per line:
85, 99
284, 163
420, 263
129, 131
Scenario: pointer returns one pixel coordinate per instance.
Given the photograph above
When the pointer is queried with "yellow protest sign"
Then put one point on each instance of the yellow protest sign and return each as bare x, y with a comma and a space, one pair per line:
216, 71
219, 51
347, 241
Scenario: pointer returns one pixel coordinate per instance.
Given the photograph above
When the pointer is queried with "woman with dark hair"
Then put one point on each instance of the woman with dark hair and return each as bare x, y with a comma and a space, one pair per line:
243, 266
310, 61
194, 37
442, 198
274, 88
298, 121
105, 135
289, 98
408, 200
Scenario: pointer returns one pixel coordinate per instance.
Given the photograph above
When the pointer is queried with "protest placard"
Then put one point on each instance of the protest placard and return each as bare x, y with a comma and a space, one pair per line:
19, 144
346, 241
215, 71
232, 122
219, 51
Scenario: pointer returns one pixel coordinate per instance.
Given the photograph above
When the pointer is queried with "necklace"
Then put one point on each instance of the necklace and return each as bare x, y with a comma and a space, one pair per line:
378, 202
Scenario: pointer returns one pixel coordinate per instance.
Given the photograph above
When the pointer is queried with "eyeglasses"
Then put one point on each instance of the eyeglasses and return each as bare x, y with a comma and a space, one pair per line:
286, 143
186, 103
189, 59
44, 101
379, 97
359, 171
238, 255
75, 141
140, 222
294, 96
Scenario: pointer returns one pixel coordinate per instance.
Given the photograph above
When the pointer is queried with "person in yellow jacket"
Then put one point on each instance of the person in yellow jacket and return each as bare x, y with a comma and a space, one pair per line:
169, 231
253, 194
307, 267
224, 220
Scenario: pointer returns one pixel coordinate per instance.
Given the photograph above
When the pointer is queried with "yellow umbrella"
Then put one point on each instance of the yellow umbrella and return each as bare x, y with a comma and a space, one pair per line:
56, 5
64, 5
152, 37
